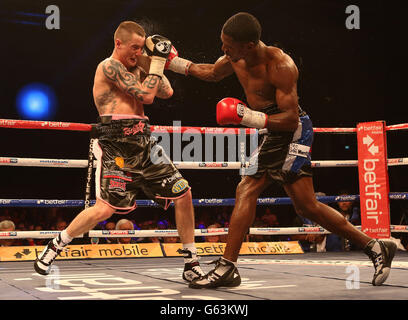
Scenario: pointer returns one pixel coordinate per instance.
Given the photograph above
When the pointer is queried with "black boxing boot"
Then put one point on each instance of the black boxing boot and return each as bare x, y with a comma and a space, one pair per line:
225, 274
381, 254
42, 264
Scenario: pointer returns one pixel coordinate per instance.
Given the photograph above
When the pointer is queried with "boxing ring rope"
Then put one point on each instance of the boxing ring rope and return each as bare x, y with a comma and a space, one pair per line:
47, 234
173, 233
51, 125
66, 163
72, 163
54, 203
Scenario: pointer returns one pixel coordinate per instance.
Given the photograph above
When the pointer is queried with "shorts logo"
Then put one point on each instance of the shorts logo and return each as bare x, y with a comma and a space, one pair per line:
299, 150
120, 162
114, 184
175, 176
179, 186
139, 127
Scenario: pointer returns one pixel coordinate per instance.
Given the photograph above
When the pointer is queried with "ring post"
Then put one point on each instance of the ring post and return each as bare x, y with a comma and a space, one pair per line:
373, 178
89, 174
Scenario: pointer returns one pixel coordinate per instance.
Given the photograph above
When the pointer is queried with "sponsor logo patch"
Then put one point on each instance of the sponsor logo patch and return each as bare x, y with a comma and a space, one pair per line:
8, 160
240, 110
179, 186
120, 162
115, 184
299, 150
139, 127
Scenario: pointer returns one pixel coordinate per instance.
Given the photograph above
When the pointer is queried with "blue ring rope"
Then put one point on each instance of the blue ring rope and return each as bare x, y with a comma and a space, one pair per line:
40, 203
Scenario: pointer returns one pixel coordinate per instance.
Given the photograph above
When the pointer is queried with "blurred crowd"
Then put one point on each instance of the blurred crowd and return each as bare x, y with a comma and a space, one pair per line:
37, 219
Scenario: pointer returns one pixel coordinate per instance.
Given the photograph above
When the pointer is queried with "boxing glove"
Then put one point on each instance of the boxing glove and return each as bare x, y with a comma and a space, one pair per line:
234, 111
158, 47
177, 64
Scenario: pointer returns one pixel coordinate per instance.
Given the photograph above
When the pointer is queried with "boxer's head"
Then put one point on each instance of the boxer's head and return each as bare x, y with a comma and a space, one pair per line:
240, 34
129, 42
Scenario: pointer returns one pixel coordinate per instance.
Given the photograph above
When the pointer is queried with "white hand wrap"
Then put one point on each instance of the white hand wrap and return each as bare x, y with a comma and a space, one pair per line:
251, 118
157, 66
180, 65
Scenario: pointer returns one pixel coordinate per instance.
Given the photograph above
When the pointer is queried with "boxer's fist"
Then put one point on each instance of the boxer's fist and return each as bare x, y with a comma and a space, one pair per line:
229, 111
234, 111
158, 46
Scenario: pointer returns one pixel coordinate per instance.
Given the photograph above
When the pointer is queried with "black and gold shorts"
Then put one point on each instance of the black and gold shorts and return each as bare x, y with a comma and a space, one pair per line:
123, 150
284, 156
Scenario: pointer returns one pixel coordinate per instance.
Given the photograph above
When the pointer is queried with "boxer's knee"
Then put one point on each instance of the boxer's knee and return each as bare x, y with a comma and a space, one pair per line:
308, 209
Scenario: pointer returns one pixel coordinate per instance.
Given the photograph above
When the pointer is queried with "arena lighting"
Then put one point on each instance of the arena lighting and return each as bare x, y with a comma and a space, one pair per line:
36, 101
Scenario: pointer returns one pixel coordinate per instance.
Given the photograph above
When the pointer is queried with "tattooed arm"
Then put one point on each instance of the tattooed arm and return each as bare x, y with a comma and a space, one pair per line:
129, 83
164, 91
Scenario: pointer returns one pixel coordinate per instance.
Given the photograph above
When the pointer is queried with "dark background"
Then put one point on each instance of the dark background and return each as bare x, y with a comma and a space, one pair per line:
346, 77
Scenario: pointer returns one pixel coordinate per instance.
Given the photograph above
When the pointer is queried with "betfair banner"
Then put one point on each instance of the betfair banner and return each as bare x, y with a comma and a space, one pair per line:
217, 248
373, 179
146, 250
101, 251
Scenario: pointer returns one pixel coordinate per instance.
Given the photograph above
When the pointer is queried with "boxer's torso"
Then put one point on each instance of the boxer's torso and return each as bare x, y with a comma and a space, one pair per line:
109, 99
255, 77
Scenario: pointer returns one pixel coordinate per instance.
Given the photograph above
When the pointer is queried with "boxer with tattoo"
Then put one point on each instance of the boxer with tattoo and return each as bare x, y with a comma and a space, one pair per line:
124, 83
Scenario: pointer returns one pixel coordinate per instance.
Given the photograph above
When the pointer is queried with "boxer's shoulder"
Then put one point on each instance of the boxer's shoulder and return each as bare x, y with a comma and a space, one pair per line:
280, 64
278, 57
101, 64
111, 64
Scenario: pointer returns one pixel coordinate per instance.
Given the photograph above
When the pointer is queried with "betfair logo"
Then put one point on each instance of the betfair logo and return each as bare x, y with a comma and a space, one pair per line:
372, 148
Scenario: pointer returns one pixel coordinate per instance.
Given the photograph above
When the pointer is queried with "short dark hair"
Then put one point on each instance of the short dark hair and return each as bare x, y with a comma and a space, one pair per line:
243, 27
126, 28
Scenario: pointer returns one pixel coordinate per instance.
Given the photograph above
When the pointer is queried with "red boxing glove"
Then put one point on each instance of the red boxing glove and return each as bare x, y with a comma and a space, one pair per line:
234, 111
227, 111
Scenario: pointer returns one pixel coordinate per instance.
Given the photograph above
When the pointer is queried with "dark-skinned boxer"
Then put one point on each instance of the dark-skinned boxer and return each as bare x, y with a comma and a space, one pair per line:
269, 79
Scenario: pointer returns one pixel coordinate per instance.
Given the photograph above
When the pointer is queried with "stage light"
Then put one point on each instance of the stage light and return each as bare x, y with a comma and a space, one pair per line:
36, 101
